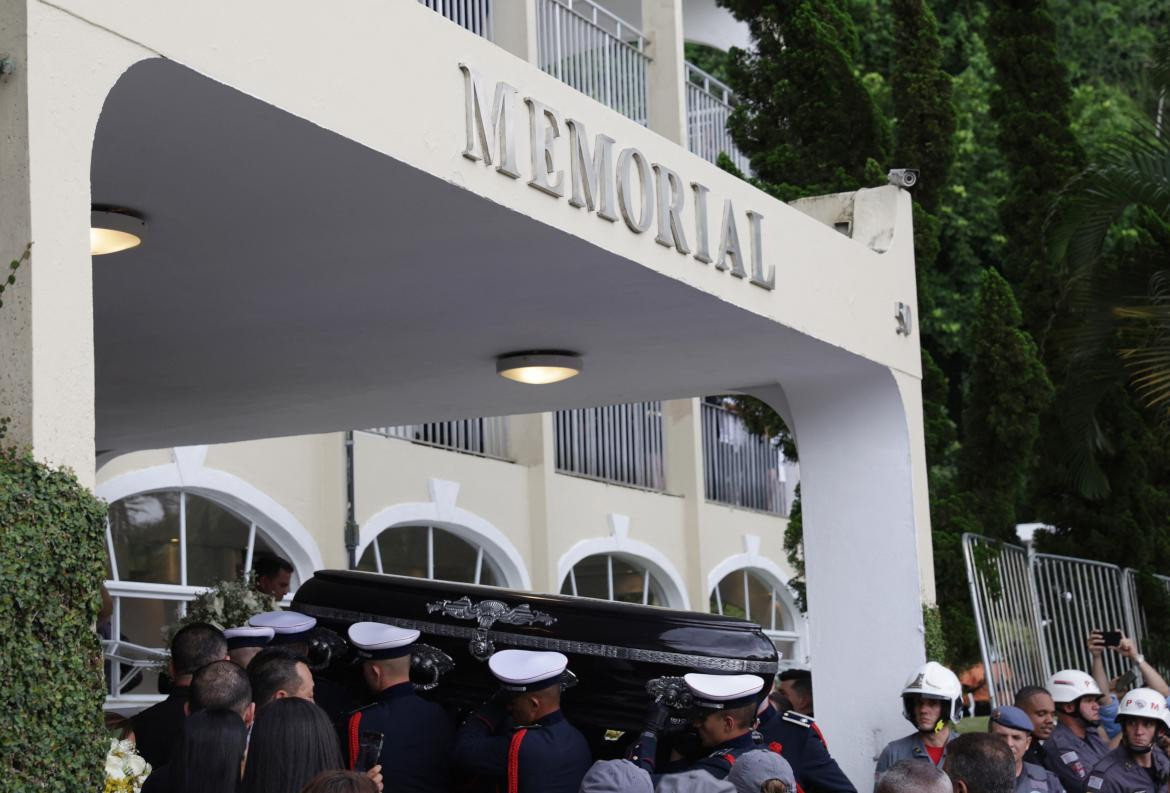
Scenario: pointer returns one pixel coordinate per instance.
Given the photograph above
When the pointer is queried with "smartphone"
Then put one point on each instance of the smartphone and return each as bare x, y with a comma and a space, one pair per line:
369, 750
1111, 638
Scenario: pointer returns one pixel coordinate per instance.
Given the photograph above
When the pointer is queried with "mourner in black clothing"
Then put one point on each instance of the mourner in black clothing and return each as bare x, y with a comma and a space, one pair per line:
1037, 703
416, 735
278, 672
207, 757
521, 740
292, 742
157, 728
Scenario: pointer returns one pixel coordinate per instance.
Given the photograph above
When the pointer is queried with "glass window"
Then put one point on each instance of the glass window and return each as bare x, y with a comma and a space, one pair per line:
747, 595
614, 577
217, 542
145, 530
430, 552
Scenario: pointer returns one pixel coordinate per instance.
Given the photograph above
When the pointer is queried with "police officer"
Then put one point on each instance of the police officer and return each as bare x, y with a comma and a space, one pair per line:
415, 734
1015, 727
521, 739
293, 629
798, 739
932, 700
1135, 765
725, 715
1075, 745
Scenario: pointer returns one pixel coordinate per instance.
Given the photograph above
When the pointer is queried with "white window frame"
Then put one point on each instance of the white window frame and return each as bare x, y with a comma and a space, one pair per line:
480, 556
647, 577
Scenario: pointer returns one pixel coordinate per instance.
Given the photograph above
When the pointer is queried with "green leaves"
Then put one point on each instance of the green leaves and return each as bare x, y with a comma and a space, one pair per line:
52, 561
14, 265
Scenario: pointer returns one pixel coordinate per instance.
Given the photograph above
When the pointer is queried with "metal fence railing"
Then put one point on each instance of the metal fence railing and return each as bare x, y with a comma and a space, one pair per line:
1034, 612
740, 468
475, 15
615, 443
709, 104
596, 52
1007, 615
487, 437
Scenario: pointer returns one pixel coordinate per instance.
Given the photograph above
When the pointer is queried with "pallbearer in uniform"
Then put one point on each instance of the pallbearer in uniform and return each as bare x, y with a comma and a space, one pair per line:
293, 630
1137, 765
246, 642
1014, 726
798, 740
521, 740
726, 707
416, 734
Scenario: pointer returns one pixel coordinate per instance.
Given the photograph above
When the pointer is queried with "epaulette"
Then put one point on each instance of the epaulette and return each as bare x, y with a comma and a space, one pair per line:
792, 717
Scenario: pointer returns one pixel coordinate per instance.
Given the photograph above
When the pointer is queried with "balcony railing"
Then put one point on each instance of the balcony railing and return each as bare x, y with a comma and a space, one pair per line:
709, 104
614, 443
486, 437
740, 468
596, 52
475, 15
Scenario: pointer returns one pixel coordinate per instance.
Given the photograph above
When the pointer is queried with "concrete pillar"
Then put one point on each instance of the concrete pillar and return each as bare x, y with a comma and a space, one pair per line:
666, 94
514, 28
49, 106
863, 490
533, 443
684, 477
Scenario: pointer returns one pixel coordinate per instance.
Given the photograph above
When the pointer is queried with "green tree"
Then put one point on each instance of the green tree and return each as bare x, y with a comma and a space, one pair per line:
804, 118
1007, 389
1030, 107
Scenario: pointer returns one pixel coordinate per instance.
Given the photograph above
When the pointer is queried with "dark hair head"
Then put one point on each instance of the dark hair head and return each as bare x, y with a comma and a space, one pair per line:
221, 684
913, 776
207, 756
1025, 694
744, 715
801, 680
780, 701
292, 742
268, 565
983, 762
341, 782
196, 645
274, 669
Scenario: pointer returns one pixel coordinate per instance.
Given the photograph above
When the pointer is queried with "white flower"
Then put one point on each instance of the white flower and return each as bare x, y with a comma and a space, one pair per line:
126, 746
135, 764
114, 768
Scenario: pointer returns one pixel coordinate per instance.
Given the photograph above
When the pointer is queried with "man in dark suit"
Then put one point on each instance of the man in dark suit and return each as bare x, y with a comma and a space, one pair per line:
156, 729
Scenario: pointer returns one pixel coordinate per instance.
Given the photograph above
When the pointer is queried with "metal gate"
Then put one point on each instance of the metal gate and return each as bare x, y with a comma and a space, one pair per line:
1034, 612
1006, 615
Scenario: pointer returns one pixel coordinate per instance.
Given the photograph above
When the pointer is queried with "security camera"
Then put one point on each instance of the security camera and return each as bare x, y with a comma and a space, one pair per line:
903, 177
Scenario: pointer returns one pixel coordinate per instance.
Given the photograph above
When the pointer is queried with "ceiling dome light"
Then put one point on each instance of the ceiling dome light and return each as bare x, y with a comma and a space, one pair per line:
113, 230
539, 367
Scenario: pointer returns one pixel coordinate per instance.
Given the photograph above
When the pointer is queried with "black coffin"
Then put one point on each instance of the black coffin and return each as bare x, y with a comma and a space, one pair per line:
613, 648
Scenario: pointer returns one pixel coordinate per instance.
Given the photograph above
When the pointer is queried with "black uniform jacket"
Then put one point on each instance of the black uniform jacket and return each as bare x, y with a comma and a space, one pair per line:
158, 728
550, 756
416, 739
797, 739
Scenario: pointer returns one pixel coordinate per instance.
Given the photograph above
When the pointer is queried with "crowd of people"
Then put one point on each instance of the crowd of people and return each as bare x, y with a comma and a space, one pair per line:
247, 713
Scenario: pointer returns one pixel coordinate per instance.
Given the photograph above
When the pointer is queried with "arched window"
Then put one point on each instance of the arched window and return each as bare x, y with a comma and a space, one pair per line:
428, 551
614, 576
164, 548
750, 595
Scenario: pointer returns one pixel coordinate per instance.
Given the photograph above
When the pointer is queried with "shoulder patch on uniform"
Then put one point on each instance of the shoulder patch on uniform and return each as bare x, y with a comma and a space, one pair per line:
1095, 782
1068, 757
792, 717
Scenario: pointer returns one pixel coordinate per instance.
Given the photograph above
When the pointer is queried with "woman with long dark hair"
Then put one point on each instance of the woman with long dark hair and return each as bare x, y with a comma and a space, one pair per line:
292, 742
207, 758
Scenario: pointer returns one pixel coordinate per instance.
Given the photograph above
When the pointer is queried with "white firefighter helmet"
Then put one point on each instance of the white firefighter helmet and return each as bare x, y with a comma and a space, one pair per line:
1069, 685
1145, 703
932, 680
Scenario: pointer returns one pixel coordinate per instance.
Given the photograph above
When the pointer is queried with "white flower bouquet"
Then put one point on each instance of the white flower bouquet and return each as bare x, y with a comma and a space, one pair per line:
228, 604
125, 768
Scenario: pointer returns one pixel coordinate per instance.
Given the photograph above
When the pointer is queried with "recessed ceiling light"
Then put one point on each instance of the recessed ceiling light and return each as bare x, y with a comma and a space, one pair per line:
113, 230
539, 367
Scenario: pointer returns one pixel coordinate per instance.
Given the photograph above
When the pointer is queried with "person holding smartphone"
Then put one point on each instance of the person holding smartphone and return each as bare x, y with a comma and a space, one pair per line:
407, 735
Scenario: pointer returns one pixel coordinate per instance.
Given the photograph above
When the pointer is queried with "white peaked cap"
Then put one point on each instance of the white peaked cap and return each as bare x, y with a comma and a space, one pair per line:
527, 670
724, 691
377, 640
248, 636
283, 623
